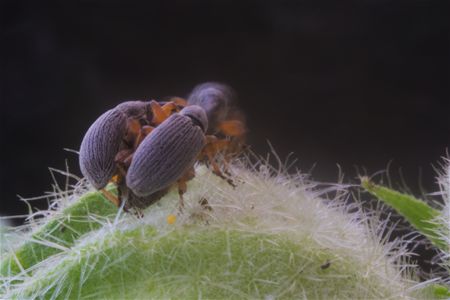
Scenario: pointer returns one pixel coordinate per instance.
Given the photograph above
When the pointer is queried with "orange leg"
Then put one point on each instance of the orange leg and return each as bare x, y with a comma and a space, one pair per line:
161, 113
182, 185
111, 197
235, 131
133, 129
232, 128
230, 148
212, 147
170, 108
221, 145
143, 132
179, 101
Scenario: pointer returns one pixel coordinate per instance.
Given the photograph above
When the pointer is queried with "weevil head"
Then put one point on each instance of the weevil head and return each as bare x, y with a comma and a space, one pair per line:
136, 109
197, 115
215, 98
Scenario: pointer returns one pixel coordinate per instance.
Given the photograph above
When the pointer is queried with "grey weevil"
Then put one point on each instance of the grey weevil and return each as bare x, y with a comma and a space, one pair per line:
105, 138
168, 154
107, 147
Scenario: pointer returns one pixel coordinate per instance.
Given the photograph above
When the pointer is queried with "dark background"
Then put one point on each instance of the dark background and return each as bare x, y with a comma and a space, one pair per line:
354, 83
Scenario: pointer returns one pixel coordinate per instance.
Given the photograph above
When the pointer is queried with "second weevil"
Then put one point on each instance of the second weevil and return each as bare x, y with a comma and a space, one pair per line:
226, 131
168, 154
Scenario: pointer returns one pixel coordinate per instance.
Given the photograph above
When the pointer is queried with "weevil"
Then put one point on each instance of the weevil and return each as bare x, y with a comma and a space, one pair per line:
147, 148
167, 155
108, 145
226, 132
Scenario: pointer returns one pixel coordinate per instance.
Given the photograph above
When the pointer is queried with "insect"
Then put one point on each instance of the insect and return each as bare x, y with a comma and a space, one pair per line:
168, 154
107, 147
226, 132
148, 147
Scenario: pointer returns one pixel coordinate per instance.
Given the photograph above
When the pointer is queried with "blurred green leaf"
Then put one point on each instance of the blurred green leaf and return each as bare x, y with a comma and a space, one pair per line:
415, 211
61, 232
441, 292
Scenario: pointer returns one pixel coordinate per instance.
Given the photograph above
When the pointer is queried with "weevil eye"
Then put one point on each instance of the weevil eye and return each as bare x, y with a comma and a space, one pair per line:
197, 115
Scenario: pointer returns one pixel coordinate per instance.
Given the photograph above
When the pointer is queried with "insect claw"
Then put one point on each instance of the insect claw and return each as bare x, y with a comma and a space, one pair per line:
230, 182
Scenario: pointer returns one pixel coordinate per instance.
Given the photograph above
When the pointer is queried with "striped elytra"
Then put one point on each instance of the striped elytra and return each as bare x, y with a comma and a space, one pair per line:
100, 146
164, 155
104, 138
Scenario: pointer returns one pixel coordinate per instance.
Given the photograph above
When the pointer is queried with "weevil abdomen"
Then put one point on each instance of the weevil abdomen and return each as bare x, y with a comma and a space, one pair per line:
165, 154
100, 145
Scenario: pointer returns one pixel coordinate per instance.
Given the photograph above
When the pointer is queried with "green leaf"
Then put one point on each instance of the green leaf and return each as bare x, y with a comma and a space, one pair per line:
441, 292
59, 233
189, 262
266, 238
415, 211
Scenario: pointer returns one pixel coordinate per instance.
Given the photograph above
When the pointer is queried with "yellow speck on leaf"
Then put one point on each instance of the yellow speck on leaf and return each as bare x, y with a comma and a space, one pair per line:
171, 219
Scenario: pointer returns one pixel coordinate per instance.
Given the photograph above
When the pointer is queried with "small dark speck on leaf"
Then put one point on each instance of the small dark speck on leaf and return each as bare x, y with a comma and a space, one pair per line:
326, 265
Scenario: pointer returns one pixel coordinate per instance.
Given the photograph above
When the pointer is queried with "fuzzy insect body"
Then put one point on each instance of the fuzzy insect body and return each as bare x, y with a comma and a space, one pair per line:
168, 152
226, 132
216, 99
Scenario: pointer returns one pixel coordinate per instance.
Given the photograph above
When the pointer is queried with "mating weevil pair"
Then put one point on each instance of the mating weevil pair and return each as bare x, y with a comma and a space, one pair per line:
147, 147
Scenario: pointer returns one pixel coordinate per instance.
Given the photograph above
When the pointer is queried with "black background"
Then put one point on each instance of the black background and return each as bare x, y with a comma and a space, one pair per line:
354, 83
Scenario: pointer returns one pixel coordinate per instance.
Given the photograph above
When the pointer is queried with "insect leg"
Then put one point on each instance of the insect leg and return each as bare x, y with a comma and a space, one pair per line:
213, 146
180, 102
161, 113
133, 130
182, 186
111, 197
232, 128
143, 132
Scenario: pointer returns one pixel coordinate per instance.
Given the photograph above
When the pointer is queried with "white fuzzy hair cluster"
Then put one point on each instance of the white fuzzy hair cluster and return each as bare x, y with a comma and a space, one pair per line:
266, 200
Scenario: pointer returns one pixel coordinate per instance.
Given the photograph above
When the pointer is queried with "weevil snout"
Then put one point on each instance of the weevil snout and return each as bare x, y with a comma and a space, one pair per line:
139, 110
197, 115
